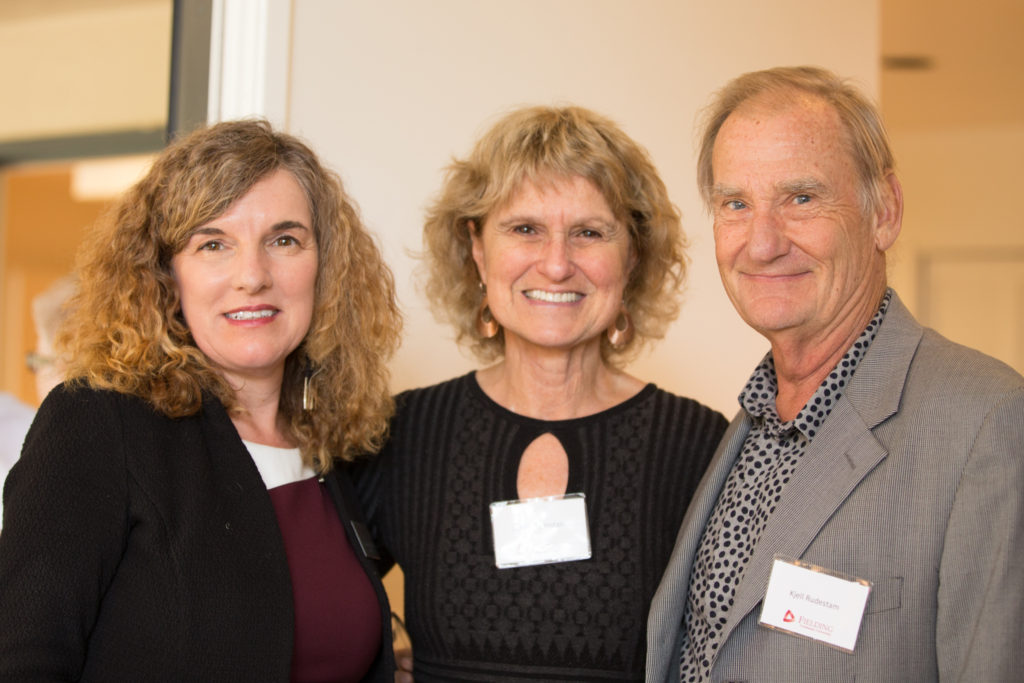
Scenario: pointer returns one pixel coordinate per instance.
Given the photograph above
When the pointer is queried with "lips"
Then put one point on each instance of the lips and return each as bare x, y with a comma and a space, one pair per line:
552, 297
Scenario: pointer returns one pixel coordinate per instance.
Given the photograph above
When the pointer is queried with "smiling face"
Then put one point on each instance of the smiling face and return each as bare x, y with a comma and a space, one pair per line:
555, 262
796, 253
246, 280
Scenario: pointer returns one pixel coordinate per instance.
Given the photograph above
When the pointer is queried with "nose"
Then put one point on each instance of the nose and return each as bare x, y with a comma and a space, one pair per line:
766, 239
252, 270
556, 260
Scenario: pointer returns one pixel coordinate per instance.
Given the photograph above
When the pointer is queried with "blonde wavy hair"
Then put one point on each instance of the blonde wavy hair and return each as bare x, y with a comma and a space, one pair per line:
533, 144
125, 331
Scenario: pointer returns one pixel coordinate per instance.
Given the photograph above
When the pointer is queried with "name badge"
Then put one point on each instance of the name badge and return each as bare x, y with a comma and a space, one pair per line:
813, 602
540, 530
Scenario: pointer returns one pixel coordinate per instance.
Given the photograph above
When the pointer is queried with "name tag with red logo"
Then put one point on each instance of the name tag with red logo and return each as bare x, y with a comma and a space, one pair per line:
813, 602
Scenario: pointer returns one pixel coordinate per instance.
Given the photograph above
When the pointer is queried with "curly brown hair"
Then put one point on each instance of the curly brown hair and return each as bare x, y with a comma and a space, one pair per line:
528, 144
125, 330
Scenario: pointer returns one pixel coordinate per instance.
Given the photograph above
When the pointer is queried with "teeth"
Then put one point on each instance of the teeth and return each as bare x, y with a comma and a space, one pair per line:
251, 315
553, 297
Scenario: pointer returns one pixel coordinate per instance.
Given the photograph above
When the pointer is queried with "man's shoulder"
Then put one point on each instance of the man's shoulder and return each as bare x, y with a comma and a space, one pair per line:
963, 368
936, 360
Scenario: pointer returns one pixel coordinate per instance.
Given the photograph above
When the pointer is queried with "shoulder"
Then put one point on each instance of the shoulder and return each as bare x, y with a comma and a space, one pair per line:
434, 398
76, 410
973, 371
79, 418
690, 411
916, 372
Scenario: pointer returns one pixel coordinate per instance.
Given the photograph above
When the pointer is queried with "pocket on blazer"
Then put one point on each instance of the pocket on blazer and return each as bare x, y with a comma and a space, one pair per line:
886, 594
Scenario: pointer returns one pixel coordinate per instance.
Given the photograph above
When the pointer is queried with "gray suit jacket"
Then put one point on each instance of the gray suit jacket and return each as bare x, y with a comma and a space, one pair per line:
916, 483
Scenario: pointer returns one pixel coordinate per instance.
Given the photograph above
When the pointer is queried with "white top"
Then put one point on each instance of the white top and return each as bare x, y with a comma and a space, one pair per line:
278, 466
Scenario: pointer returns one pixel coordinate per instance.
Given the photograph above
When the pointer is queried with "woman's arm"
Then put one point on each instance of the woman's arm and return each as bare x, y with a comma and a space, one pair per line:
65, 523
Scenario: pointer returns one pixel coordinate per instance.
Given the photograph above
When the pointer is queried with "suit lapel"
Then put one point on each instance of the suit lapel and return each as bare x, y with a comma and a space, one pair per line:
670, 599
842, 454
839, 457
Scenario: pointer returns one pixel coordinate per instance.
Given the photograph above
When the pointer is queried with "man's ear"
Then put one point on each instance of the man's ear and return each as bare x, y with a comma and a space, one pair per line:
477, 244
889, 216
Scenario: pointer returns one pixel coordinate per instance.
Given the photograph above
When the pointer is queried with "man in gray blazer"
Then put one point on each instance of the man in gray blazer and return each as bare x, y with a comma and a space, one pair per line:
863, 518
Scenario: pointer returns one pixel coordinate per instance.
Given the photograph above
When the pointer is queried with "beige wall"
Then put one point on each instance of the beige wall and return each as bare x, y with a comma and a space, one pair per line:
83, 67
389, 91
960, 259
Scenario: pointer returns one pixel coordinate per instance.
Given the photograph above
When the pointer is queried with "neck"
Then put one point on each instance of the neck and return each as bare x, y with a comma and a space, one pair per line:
803, 362
556, 384
257, 415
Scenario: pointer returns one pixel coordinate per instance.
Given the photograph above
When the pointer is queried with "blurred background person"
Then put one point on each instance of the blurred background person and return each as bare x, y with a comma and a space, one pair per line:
554, 251
15, 416
49, 310
176, 513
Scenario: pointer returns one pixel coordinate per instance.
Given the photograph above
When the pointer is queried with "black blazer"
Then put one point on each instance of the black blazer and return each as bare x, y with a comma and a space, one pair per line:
136, 547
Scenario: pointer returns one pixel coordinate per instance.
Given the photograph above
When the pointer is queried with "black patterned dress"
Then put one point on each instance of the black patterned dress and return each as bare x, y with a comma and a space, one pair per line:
452, 452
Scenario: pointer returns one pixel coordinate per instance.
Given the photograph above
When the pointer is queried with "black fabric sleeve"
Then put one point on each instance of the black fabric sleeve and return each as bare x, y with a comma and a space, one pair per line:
65, 524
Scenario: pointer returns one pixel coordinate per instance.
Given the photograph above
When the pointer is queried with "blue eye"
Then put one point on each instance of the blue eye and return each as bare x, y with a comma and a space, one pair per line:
735, 204
802, 198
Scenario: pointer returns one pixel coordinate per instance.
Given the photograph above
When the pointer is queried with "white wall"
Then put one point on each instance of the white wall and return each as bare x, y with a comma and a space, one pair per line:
389, 91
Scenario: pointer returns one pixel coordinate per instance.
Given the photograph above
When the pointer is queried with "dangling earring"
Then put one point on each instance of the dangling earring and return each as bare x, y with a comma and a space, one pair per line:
486, 325
308, 397
621, 331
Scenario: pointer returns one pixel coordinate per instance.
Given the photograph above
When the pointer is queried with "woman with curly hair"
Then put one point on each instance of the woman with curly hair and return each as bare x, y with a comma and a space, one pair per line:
554, 252
177, 512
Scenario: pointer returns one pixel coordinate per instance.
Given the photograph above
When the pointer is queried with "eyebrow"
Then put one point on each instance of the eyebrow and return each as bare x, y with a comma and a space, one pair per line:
521, 219
794, 186
802, 185
276, 227
725, 191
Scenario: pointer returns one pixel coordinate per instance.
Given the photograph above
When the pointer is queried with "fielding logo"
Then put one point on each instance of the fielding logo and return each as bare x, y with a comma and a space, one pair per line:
788, 616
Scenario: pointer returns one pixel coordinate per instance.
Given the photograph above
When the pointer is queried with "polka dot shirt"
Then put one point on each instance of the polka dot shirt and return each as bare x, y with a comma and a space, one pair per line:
765, 464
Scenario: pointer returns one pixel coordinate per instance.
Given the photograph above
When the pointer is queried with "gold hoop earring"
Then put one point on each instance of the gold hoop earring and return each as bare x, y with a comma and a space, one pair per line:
621, 331
486, 325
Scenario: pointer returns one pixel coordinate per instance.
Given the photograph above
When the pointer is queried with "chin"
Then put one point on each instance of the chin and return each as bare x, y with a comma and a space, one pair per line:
767, 319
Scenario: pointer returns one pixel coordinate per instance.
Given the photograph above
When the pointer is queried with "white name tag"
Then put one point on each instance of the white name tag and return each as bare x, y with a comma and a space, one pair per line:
540, 530
812, 602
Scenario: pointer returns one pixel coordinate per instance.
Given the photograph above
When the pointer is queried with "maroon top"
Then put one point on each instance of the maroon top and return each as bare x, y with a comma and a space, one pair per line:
337, 617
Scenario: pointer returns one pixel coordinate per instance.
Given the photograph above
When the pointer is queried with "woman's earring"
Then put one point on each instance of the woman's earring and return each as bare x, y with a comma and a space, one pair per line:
308, 397
621, 331
486, 325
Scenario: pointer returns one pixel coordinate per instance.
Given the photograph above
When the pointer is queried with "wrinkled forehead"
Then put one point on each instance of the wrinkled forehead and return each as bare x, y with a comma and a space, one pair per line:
805, 114
802, 135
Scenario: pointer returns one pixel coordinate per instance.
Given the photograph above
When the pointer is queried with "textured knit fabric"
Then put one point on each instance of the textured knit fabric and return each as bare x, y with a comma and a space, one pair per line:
770, 456
142, 548
452, 452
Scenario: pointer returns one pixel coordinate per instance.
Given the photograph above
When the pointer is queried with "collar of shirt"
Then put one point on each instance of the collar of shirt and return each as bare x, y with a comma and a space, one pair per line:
758, 396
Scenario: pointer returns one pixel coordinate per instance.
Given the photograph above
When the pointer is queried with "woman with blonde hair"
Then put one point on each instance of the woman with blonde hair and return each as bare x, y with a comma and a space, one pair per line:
178, 512
533, 504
